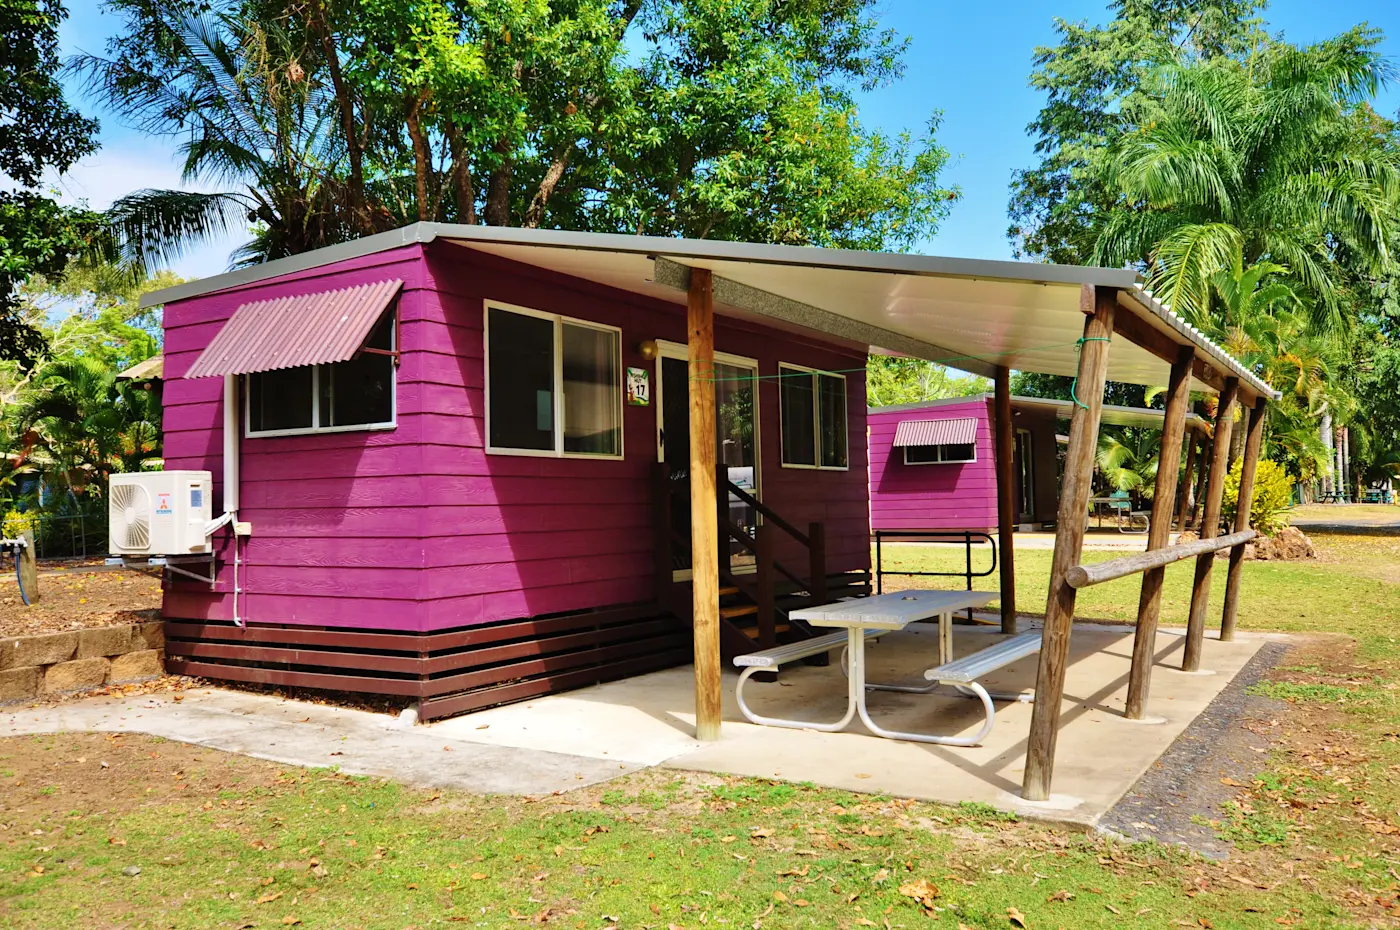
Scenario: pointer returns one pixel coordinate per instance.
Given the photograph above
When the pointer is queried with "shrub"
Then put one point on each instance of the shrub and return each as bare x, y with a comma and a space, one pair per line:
16, 522
1273, 496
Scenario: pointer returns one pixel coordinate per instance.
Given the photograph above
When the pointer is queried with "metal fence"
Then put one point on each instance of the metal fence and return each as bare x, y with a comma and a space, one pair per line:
69, 536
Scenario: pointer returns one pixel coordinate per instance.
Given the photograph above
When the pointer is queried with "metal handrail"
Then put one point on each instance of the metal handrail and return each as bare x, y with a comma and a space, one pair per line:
768, 512
966, 536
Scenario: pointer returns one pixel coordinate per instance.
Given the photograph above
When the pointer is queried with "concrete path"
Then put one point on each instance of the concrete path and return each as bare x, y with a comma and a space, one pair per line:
296, 733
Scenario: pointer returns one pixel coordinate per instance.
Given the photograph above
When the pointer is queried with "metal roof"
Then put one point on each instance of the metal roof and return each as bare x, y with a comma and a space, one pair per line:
957, 431
152, 369
1113, 414
302, 329
973, 314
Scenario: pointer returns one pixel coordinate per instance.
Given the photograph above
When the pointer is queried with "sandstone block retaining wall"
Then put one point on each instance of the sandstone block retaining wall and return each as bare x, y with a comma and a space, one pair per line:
52, 663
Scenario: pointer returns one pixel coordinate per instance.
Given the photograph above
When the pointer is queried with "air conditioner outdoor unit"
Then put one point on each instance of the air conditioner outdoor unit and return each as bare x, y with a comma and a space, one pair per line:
159, 513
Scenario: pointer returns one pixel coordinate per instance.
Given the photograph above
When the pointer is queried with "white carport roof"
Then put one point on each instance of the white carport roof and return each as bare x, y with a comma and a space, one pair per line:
969, 313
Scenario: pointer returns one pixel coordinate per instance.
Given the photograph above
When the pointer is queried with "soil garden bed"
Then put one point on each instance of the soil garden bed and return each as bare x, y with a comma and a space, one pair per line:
74, 597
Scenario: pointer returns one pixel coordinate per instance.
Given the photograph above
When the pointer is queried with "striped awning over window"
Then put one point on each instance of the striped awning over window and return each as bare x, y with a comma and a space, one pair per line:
289, 332
960, 431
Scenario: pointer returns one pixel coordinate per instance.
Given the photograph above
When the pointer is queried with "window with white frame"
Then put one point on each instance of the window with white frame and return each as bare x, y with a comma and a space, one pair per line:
813, 409
553, 384
943, 453
352, 395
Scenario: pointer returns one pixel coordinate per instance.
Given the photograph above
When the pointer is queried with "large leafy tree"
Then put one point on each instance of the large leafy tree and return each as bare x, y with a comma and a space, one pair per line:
1096, 81
893, 380
39, 132
339, 118
1272, 158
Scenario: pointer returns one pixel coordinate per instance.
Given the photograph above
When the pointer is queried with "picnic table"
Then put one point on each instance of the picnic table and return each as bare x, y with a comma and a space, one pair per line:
1119, 507
865, 617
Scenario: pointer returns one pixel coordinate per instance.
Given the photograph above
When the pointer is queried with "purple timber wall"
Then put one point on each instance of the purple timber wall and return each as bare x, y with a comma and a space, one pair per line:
948, 496
416, 528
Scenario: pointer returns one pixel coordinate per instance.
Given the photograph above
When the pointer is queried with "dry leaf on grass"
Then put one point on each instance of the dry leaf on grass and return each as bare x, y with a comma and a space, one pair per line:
921, 890
1016, 917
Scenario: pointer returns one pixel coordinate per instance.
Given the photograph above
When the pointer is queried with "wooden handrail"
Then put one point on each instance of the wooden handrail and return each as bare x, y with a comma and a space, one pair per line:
1082, 576
767, 512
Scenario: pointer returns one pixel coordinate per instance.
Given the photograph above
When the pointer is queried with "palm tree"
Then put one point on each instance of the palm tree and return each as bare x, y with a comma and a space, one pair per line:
1127, 458
82, 424
1267, 159
251, 110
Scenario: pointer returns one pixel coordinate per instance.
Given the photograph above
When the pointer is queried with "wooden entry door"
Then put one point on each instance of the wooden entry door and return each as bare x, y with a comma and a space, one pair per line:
736, 442
1025, 475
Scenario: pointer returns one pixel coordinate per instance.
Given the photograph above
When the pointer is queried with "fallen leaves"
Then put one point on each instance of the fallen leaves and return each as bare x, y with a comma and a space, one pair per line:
921, 890
1016, 917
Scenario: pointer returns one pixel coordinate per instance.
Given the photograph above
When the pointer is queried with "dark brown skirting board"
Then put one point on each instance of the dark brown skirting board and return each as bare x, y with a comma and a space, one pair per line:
453, 671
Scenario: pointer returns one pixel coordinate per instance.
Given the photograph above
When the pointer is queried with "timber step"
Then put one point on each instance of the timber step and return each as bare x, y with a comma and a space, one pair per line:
752, 631
738, 610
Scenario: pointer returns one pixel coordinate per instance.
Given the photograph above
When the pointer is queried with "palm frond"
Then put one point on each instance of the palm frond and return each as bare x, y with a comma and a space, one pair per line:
154, 227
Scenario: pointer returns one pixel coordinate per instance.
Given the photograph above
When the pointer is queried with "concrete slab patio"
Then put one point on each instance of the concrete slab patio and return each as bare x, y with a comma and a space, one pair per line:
306, 734
583, 737
648, 720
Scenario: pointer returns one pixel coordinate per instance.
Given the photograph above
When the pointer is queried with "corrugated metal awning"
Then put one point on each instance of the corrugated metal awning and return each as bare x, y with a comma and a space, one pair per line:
289, 332
961, 431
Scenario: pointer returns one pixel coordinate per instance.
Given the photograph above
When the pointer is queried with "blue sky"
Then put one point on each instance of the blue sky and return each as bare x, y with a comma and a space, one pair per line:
971, 60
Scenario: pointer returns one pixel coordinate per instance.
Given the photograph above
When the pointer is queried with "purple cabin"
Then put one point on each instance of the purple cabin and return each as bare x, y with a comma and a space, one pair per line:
466, 475
933, 464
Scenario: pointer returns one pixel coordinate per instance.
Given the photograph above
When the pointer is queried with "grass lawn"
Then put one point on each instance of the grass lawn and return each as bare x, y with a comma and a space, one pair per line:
230, 842
1353, 588
1344, 513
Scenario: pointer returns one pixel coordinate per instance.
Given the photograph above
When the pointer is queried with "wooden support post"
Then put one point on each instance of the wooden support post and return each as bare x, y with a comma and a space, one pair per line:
1163, 504
1192, 440
1006, 498
28, 567
1202, 475
704, 518
1210, 525
1248, 469
816, 561
1069, 541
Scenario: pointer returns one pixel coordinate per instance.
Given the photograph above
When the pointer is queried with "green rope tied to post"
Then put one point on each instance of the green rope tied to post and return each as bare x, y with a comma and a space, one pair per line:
1073, 388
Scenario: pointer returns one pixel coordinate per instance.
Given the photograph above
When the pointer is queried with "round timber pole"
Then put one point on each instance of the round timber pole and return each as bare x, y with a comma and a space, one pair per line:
1192, 440
1210, 524
704, 515
1159, 532
1006, 498
1100, 303
1245, 503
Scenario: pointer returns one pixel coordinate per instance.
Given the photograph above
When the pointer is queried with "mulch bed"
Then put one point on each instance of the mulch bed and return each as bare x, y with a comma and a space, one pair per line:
75, 597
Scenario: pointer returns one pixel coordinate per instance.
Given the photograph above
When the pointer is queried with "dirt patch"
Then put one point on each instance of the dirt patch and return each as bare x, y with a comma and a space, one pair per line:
76, 597
1204, 768
45, 780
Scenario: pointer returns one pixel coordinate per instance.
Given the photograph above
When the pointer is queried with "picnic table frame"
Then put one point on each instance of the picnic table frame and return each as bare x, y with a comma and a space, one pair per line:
889, 613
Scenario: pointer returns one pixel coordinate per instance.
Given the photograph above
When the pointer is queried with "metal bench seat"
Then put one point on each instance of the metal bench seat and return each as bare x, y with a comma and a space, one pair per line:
769, 659
791, 652
973, 666
963, 673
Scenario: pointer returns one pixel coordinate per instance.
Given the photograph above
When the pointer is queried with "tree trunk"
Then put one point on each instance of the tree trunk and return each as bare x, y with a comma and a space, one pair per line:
420, 157
464, 189
1326, 477
552, 176
498, 188
355, 183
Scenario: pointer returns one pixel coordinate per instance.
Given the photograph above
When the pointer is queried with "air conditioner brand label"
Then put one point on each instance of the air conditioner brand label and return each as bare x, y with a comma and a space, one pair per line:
196, 498
163, 502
